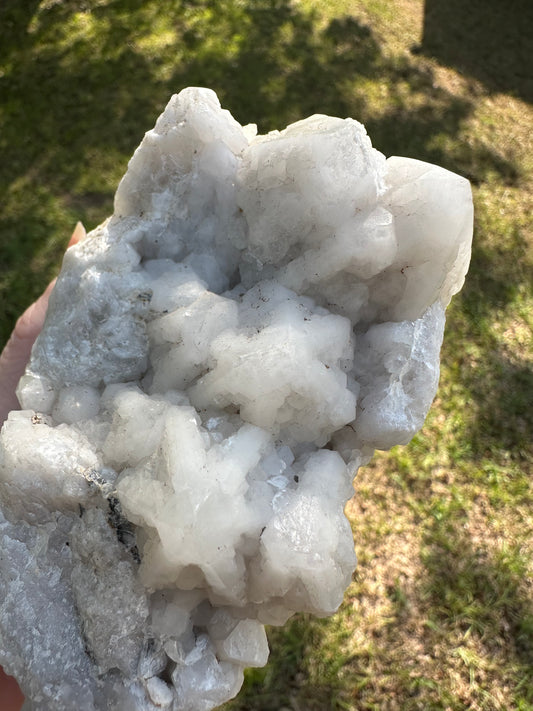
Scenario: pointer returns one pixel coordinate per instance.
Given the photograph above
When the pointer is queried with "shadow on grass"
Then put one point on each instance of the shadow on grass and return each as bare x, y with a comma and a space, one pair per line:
499, 381
500, 386
478, 592
456, 631
15, 18
497, 270
81, 81
487, 39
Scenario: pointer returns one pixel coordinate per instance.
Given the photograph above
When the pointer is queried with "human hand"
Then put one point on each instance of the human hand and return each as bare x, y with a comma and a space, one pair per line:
13, 361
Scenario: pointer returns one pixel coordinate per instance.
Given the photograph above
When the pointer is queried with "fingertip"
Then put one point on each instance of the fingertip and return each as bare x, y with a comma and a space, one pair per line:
78, 234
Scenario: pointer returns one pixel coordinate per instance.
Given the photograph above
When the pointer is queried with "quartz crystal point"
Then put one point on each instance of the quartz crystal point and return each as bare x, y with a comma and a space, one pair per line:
258, 315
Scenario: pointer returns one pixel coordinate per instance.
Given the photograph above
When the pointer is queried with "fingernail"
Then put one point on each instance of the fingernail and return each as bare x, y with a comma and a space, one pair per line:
78, 234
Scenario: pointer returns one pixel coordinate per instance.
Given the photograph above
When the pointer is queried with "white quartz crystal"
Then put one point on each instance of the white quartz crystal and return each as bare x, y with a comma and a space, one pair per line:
258, 315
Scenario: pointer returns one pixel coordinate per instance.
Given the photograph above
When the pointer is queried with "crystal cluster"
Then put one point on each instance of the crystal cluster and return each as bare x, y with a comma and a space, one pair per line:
258, 315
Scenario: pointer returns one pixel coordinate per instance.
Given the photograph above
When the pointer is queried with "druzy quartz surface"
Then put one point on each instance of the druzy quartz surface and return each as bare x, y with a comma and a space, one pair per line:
258, 315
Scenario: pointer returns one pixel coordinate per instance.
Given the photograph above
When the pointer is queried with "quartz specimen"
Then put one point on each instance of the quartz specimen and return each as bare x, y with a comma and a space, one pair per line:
258, 315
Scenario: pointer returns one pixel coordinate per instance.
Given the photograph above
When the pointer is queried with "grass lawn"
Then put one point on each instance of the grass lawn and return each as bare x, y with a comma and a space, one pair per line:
439, 615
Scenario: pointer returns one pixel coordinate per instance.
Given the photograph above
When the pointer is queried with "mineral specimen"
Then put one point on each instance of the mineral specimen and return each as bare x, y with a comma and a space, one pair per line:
219, 357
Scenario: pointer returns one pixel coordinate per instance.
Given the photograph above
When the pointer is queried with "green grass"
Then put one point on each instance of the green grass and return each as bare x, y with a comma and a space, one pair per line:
440, 612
